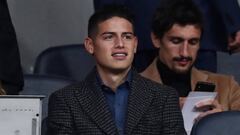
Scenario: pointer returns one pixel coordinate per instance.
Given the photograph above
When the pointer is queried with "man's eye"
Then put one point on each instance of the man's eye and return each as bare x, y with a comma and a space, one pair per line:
176, 40
108, 37
194, 41
128, 36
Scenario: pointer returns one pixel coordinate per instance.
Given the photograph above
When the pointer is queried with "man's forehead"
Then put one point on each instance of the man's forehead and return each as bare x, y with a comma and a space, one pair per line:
187, 30
180, 26
114, 19
115, 25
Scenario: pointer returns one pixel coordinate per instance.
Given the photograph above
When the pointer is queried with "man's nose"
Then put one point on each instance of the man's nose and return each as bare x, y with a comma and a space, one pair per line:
184, 50
119, 42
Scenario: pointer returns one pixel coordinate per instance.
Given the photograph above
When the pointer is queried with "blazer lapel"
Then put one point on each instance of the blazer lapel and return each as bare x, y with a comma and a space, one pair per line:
151, 72
93, 102
196, 76
138, 102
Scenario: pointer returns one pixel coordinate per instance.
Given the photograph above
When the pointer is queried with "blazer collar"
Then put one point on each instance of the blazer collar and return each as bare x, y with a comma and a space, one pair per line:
151, 72
139, 100
197, 76
94, 104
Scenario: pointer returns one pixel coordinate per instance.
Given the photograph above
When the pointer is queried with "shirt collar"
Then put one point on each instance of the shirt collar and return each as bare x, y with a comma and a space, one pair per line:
127, 81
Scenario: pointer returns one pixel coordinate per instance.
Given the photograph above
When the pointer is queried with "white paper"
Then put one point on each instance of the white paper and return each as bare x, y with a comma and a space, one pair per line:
189, 114
20, 115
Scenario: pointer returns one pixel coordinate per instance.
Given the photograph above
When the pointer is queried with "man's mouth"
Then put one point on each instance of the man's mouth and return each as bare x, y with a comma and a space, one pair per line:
119, 56
182, 60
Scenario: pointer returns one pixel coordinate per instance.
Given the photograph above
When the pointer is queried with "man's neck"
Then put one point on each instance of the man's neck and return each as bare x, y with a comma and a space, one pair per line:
164, 69
113, 79
181, 82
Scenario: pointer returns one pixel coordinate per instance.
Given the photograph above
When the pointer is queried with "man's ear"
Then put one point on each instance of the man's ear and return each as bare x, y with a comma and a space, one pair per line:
155, 40
88, 43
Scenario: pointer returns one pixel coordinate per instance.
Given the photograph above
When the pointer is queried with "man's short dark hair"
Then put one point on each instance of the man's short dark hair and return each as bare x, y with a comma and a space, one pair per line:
107, 12
170, 12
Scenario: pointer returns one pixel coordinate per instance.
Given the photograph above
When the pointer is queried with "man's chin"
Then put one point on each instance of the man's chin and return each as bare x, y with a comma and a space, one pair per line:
118, 70
182, 70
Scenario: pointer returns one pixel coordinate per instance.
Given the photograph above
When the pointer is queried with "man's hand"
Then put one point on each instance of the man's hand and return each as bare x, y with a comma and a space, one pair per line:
207, 107
234, 43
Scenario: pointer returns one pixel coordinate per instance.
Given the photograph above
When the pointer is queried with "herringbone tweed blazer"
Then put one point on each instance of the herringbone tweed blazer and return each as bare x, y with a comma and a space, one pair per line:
81, 109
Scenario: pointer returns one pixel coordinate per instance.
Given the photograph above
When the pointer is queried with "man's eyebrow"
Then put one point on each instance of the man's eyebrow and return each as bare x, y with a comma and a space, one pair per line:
107, 33
172, 36
112, 33
195, 38
128, 33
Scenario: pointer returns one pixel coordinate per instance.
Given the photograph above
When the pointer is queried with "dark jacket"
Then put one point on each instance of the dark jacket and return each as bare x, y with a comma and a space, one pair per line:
10, 67
82, 109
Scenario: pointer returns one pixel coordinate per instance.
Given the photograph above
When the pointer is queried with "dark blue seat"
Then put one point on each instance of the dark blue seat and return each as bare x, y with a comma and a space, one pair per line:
43, 85
223, 123
71, 61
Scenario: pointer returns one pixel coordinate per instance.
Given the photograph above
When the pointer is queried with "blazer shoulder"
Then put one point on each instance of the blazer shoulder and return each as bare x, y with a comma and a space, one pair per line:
218, 77
69, 90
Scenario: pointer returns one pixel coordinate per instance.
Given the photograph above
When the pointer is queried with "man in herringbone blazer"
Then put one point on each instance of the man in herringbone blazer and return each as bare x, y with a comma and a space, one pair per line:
114, 99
